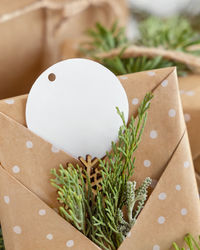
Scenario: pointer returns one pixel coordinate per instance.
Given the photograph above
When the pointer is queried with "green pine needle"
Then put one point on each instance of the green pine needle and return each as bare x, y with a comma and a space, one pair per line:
101, 217
191, 243
103, 39
174, 34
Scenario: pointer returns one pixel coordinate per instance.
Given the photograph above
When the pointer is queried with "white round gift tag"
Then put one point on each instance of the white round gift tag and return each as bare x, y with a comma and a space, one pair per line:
73, 104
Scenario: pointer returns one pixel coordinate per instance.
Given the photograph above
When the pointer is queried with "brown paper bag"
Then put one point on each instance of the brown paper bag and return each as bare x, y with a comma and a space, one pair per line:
28, 201
33, 31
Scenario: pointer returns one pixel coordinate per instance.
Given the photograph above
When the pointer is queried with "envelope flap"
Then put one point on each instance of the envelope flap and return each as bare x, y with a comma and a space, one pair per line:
29, 158
30, 224
173, 208
138, 84
165, 123
190, 94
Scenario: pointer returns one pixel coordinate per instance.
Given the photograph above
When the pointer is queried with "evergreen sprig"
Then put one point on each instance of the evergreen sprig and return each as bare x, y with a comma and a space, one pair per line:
103, 39
191, 243
174, 33
77, 199
101, 217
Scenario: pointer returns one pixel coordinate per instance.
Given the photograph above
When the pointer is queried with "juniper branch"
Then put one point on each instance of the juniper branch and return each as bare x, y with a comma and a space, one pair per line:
74, 197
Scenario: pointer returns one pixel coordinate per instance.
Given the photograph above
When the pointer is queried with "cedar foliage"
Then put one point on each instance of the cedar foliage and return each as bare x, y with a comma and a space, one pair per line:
101, 216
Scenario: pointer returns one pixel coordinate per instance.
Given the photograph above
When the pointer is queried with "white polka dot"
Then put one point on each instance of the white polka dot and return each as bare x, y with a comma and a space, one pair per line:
129, 234
29, 144
184, 211
147, 163
10, 101
49, 237
123, 77
151, 73
156, 247
164, 83
162, 196
42, 212
16, 169
182, 91
186, 164
54, 149
161, 220
70, 243
135, 101
187, 117
17, 229
178, 187
190, 93
6, 199
153, 134
172, 113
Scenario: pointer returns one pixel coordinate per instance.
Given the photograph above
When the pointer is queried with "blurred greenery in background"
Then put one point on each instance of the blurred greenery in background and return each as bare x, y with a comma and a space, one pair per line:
121, 66
103, 39
195, 22
175, 33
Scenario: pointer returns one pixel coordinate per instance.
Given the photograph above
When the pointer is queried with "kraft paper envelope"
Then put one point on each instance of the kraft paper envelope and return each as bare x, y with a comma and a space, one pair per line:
190, 95
28, 207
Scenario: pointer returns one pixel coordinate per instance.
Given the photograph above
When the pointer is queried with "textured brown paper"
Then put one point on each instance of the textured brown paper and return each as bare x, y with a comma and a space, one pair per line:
32, 32
28, 202
190, 95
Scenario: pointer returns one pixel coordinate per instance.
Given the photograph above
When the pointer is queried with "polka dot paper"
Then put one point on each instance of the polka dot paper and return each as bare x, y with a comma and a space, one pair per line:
171, 211
190, 96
